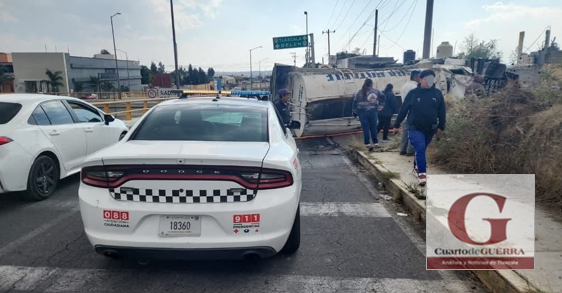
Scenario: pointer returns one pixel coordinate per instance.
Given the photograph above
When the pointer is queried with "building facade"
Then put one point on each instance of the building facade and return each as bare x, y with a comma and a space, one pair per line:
7, 73
79, 74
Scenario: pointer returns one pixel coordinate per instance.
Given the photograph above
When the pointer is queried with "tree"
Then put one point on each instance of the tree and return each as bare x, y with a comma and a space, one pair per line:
190, 75
107, 86
202, 76
95, 82
161, 68
474, 48
153, 68
146, 75
55, 80
104, 52
211, 73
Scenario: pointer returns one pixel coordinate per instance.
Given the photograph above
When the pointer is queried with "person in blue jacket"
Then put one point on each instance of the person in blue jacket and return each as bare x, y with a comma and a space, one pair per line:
425, 108
366, 104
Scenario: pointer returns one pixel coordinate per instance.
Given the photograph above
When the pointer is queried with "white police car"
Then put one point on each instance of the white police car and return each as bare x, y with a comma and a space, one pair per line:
198, 177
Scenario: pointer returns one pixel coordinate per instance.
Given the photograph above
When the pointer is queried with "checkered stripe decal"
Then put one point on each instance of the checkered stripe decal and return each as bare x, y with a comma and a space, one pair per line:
180, 195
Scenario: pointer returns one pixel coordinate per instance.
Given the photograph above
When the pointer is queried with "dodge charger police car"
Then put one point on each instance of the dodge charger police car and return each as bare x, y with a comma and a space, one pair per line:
199, 177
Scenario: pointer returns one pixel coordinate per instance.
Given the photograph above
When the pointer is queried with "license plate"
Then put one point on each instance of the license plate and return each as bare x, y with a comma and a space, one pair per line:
180, 226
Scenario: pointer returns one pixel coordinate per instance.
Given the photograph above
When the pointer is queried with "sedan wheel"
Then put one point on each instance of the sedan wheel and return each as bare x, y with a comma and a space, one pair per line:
43, 179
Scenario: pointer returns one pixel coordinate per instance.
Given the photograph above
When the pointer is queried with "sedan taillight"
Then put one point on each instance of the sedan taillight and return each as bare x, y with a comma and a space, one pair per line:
5, 140
250, 178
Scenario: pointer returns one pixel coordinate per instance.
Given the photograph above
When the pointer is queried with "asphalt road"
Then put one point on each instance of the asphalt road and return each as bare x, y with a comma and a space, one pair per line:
351, 242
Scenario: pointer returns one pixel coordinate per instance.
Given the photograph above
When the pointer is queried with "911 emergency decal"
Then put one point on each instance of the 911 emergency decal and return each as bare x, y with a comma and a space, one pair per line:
246, 224
118, 219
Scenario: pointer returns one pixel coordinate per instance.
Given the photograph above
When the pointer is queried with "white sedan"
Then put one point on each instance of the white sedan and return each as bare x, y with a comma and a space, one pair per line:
45, 138
198, 177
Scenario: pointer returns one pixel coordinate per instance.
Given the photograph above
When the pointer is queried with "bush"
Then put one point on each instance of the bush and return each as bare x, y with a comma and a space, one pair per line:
513, 131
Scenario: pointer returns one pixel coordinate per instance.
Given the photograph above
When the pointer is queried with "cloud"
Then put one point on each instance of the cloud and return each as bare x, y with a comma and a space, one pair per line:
6, 16
188, 14
503, 13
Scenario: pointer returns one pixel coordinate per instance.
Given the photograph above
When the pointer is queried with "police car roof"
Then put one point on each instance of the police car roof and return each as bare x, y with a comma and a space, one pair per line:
235, 101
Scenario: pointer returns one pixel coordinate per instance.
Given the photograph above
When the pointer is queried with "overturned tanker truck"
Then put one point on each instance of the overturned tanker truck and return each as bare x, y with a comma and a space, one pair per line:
321, 99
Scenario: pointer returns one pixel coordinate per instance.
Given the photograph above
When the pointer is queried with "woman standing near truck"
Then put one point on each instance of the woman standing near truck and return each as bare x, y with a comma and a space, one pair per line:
366, 104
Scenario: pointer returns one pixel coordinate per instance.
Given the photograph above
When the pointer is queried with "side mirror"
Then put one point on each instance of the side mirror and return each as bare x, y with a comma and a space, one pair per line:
294, 125
108, 118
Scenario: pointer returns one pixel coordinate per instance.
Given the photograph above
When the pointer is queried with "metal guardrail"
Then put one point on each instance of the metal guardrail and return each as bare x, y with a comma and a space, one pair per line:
128, 109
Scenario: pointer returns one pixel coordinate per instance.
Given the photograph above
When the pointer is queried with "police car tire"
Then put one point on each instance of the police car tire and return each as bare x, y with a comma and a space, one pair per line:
294, 241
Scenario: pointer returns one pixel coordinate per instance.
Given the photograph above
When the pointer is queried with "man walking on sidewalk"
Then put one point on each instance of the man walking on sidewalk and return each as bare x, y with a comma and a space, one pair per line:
406, 148
425, 108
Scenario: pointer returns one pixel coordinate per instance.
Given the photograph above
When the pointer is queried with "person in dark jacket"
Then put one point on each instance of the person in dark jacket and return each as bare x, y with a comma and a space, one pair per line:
390, 107
366, 104
282, 105
425, 107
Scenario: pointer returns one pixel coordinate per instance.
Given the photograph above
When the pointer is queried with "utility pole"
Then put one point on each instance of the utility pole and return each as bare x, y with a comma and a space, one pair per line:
328, 32
376, 28
175, 46
251, 73
308, 45
379, 46
115, 51
294, 58
127, 60
428, 29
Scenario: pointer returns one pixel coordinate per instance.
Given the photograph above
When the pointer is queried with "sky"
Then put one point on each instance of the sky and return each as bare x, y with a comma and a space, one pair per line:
220, 33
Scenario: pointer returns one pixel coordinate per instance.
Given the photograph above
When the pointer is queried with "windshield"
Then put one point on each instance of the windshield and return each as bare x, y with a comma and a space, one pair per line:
8, 111
205, 123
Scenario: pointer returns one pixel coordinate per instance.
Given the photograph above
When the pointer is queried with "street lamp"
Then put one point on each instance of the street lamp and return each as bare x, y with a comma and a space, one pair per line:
307, 45
127, 60
251, 74
259, 67
115, 51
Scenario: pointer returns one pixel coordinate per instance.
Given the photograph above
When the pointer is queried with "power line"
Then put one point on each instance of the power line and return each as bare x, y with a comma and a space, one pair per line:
529, 48
333, 10
363, 10
361, 27
346, 14
403, 17
396, 7
339, 14
405, 27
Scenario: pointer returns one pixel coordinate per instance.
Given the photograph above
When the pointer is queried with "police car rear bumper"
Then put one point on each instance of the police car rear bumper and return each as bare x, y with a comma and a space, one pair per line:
186, 254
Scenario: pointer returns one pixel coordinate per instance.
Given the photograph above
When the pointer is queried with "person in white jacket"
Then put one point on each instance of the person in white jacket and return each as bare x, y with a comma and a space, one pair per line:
406, 148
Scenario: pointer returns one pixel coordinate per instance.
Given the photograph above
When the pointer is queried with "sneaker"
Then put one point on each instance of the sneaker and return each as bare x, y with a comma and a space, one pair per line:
402, 153
376, 145
415, 172
422, 179
385, 140
409, 154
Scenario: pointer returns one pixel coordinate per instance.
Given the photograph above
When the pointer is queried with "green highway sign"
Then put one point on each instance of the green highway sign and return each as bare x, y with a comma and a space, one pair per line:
290, 42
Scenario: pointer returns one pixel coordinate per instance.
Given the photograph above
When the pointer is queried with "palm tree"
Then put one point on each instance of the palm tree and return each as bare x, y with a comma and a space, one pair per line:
95, 82
55, 79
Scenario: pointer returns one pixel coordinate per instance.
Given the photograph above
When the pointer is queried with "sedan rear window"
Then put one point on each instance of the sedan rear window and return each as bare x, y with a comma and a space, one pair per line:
8, 111
205, 123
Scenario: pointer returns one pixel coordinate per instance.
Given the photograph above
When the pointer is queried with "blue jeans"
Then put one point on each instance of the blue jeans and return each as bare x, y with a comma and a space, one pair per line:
369, 124
420, 141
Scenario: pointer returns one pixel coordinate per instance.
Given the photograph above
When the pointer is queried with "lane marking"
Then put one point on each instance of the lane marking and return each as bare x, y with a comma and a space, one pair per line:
18, 242
335, 209
98, 280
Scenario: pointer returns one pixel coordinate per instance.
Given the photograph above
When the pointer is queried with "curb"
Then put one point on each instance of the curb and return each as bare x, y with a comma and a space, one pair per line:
502, 281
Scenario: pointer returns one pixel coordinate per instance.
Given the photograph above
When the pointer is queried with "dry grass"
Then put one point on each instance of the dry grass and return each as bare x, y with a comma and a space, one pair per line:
417, 192
388, 175
511, 132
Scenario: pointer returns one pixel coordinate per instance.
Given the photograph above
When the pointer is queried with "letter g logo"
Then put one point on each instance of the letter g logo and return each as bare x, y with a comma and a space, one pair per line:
457, 220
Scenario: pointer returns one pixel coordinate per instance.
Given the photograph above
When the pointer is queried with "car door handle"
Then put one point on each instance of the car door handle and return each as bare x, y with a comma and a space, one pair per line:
89, 129
54, 133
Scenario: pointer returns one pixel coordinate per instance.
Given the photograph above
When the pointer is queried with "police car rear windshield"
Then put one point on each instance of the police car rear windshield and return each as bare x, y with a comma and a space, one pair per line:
205, 123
